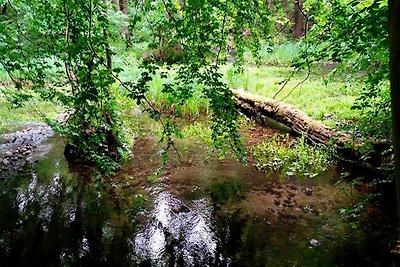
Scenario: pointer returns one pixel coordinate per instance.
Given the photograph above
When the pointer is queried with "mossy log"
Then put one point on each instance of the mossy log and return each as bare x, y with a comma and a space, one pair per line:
290, 118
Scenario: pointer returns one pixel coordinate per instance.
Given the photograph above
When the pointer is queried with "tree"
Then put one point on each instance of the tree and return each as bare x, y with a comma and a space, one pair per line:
394, 22
61, 51
354, 34
125, 11
298, 17
116, 5
123, 6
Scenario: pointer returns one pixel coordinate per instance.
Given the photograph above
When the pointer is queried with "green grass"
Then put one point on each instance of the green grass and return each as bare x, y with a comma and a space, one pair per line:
277, 55
129, 61
328, 102
13, 118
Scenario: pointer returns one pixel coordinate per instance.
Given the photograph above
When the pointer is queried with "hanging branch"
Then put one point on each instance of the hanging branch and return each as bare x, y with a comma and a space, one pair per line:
222, 33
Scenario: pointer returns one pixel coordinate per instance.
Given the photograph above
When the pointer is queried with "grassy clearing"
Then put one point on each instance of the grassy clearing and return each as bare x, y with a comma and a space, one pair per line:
276, 55
13, 118
329, 102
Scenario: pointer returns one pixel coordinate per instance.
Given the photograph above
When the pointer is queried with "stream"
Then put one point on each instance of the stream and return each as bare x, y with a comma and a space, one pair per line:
199, 212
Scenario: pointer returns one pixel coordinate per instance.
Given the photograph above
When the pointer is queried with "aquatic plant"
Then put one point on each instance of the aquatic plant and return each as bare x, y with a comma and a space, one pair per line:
291, 157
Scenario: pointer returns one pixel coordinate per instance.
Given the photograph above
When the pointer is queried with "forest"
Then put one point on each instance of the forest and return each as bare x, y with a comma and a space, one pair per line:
199, 132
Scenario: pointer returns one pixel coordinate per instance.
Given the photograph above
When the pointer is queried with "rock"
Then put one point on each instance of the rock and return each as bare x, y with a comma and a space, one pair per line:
315, 243
307, 209
277, 202
292, 187
308, 191
5, 162
8, 153
179, 209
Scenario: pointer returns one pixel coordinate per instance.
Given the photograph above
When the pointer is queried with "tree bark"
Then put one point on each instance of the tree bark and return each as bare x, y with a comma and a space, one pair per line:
3, 9
298, 27
116, 5
394, 44
270, 4
125, 9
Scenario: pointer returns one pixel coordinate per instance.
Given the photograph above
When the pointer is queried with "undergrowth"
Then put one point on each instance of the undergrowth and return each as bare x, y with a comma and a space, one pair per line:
291, 158
329, 101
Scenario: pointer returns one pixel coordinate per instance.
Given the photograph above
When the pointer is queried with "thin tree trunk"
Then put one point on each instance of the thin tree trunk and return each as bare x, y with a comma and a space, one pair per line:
116, 5
3, 9
108, 52
125, 10
298, 27
270, 4
394, 27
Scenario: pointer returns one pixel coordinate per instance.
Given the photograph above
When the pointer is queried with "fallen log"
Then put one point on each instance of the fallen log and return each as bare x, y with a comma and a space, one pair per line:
298, 121
290, 119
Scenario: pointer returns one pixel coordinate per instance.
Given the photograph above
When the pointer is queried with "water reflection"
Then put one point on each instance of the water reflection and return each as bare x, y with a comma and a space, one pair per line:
50, 216
178, 234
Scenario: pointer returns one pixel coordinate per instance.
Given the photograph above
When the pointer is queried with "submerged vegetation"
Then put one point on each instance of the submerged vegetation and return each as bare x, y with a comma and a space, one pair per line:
291, 157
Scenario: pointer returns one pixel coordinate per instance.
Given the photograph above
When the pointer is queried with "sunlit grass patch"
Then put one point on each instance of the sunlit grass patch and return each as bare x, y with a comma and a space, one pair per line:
329, 102
13, 118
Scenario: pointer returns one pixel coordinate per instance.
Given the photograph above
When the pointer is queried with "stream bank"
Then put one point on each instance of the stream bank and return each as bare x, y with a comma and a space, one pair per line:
17, 148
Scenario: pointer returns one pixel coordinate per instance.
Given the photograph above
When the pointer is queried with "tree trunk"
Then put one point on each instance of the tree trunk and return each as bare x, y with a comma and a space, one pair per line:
116, 5
270, 4
125, 10
394, 29
3, 9
298, 27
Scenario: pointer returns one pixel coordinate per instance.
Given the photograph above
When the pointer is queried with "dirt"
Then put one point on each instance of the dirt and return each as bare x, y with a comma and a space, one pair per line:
257, 135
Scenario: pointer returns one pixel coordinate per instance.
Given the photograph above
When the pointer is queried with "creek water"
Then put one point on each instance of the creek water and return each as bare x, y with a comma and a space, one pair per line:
199, 212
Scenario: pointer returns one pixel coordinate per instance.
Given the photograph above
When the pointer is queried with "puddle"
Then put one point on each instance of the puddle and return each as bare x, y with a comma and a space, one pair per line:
199, 213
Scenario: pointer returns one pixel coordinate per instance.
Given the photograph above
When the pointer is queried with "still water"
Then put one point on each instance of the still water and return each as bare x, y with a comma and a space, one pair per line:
198, 213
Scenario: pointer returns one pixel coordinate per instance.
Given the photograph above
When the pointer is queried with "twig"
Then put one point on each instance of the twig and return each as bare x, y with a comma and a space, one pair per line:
18, 25
222, 33
284, 27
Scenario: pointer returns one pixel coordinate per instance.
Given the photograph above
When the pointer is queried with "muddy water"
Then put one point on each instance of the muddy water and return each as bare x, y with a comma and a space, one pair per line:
200, 212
